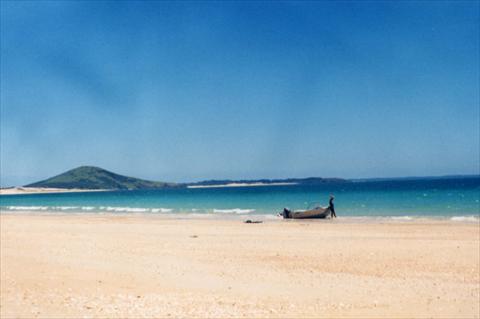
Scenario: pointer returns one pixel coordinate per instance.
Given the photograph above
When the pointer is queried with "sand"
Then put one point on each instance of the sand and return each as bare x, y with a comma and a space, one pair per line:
44, 190
137, 266
257, 184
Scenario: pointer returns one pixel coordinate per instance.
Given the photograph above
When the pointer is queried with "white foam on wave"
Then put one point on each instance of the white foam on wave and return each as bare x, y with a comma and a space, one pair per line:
161, 210
402, 218
89, 208
234, 211
65, 207
136, 209
27, 207
126, 209
465, 218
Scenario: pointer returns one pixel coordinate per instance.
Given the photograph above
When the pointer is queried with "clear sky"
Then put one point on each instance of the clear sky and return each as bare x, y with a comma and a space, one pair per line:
183, 91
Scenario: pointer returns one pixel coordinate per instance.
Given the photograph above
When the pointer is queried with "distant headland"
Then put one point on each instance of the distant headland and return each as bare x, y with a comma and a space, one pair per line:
89, 178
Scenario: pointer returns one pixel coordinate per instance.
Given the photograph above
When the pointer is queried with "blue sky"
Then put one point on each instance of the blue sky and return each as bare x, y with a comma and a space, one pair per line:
183, 91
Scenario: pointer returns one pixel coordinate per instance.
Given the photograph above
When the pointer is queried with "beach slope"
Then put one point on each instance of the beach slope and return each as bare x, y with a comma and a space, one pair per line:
135, 266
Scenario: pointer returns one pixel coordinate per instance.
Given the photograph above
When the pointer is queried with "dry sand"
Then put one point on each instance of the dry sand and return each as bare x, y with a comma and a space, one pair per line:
137, 266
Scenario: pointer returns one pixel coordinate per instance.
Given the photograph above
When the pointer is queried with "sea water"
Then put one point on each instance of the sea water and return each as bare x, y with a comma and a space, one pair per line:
452, 198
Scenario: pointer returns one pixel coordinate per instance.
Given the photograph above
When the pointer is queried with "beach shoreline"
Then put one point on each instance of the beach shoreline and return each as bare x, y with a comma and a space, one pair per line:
239, 217
131, 265
45, 190
258, 184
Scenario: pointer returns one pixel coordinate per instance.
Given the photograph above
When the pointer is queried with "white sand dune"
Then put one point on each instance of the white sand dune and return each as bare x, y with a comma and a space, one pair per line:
43, 190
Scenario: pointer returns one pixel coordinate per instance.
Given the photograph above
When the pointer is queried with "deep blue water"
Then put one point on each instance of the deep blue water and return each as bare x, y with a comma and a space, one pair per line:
416, 198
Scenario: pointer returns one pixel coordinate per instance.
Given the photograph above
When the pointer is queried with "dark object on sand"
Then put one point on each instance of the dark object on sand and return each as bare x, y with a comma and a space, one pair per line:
331, 206
317, 212
248, 221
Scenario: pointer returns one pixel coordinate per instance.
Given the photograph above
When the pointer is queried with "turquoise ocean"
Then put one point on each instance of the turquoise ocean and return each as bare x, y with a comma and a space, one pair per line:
451, 198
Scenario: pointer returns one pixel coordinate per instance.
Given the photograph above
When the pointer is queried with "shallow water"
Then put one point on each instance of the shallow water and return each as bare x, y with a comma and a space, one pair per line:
455, 198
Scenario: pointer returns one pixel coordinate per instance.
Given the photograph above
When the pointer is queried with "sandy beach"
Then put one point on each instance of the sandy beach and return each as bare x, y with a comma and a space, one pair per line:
259, 184
44, 190
140, 266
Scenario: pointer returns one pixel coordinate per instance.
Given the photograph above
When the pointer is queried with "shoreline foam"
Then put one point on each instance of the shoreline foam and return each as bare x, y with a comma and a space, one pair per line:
219, 214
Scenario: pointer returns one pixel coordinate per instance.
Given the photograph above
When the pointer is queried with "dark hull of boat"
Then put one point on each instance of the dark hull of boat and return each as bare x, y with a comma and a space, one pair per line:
321, 212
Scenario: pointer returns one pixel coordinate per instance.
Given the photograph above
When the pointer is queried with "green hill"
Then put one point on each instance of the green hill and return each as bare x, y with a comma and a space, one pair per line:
90, 177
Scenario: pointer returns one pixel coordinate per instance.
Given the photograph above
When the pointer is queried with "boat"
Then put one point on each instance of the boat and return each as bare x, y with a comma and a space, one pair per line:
317, 212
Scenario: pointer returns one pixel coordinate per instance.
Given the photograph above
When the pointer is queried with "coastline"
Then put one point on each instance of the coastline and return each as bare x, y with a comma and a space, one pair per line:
168, 214
259, 184
44, 190
133, 265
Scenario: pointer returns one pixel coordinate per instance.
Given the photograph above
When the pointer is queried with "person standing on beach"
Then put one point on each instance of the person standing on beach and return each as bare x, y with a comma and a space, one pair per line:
332, 207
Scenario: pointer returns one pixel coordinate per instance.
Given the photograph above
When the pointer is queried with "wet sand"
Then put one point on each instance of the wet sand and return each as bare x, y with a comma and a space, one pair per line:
141, 266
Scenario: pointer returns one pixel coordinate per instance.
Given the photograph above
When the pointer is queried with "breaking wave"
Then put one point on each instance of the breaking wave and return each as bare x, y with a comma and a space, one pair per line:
161, 210
402, 217
88, 208
465, 218
216, 212
234, 211
127, 209
27, 208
